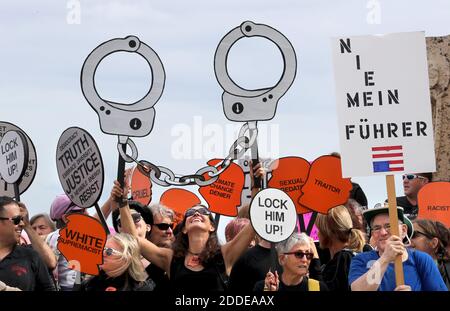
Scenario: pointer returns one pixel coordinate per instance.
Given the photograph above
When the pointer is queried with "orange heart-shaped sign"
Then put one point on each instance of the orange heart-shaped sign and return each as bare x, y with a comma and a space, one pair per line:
179, 200
82, 241
224, 195
325, 188
141, 187
434, 202
289, 174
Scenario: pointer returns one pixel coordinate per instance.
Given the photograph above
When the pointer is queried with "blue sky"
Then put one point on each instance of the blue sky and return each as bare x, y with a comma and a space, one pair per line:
42, 55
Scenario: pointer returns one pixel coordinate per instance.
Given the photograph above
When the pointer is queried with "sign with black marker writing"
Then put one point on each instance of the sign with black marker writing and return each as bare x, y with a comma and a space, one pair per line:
13, 156
383, 103
80, 167
273, 215
31, 168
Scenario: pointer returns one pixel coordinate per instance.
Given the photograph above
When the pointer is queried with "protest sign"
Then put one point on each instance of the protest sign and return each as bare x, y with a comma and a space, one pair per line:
28, 176
80, 167
82, 240
289, 174
179, 200
141, 187
325, 188
434, 202
224, 195
13, 156
273, 215
383, 104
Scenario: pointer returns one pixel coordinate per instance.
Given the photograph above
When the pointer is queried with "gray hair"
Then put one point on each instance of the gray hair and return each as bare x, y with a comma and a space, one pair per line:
46, 217
295, 238
161, 210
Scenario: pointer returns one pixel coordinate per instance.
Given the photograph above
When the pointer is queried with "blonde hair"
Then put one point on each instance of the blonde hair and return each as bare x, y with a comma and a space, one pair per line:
131, 252
337, 225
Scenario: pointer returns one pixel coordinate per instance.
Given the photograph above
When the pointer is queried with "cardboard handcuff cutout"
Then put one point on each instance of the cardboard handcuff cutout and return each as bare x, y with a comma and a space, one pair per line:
239, 104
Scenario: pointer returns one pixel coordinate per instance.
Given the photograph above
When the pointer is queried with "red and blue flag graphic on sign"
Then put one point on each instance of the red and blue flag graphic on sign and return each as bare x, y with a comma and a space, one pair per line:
387, 159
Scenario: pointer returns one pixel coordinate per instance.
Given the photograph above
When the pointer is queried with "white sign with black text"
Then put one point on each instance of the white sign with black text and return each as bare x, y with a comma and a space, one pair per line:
80, 167
30, 169
383, 104
273, 215
13, 156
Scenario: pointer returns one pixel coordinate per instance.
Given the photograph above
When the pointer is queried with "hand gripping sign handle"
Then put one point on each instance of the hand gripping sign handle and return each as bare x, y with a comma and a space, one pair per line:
393, 220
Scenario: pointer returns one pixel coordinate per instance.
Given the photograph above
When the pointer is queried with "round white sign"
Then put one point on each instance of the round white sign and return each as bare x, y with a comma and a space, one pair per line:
80, 167
273, 215
13, 156
30, 171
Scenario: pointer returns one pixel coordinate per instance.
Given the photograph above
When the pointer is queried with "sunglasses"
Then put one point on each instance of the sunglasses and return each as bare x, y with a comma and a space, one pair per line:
108, 251
15, 220
201, 211
300, 255
136, 218
163, 226
412, 176
416, 233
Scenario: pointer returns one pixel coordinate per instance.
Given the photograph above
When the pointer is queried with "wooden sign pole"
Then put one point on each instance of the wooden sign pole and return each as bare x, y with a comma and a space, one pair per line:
393, 220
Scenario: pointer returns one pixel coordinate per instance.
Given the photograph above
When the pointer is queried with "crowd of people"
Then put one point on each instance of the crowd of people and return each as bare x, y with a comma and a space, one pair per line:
147, 250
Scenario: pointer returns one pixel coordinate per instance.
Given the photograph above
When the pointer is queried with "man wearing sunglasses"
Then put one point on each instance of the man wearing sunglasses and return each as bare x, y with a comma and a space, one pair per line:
20, 266
412, 183
162, 228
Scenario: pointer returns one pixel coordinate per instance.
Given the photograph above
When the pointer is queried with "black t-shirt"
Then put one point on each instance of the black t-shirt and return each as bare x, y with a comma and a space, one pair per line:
211, 278
335, 273
102, 282
410, 210
24, 269
252, 267
301, 287
159, 276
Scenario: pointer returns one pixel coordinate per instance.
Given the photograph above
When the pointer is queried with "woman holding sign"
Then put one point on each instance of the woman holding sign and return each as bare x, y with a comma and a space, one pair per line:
197, 261
295, 255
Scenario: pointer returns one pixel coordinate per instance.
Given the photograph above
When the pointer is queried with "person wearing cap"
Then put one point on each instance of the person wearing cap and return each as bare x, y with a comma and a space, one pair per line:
59, 210
374, 270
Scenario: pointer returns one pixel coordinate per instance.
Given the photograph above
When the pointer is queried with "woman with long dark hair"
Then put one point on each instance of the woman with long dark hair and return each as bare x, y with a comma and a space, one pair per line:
433, 237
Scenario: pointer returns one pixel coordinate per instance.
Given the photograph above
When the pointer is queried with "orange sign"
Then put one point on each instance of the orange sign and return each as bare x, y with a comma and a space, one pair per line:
434, 202
82, 241
224, 195
325, 188
289, 174
141, 187
179, 200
